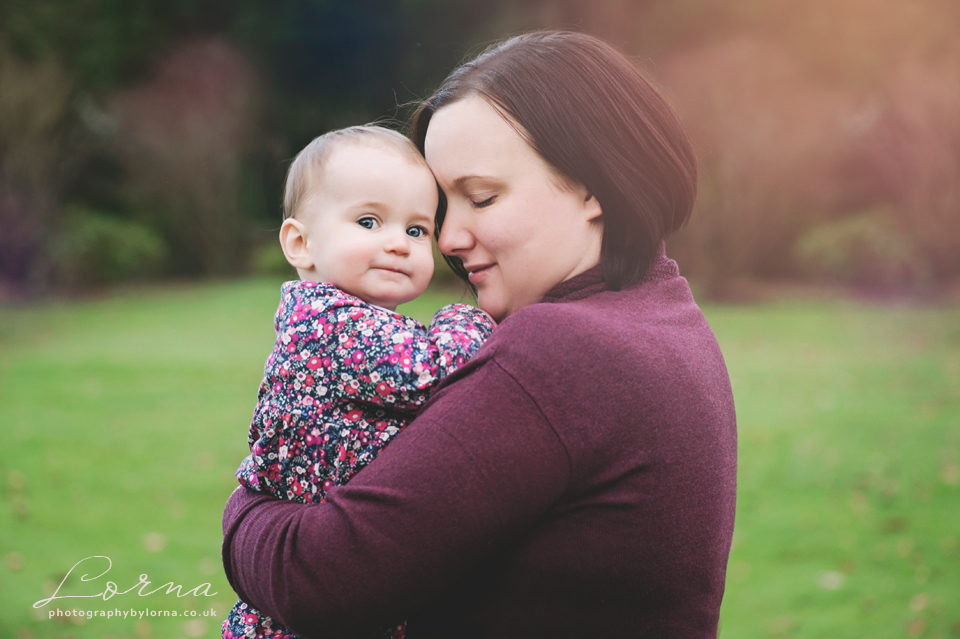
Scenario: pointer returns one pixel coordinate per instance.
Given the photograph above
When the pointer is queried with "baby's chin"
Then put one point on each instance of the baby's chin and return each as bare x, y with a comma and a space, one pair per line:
386, 299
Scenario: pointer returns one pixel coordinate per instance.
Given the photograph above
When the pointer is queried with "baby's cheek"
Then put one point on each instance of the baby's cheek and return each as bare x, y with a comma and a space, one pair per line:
424, 255
424, 269
357, 256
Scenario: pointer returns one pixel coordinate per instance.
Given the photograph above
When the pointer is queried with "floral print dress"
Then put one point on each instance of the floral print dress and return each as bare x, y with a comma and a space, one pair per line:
343, 379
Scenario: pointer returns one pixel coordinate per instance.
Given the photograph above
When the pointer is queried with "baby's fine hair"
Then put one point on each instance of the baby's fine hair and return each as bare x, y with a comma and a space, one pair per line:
307, 168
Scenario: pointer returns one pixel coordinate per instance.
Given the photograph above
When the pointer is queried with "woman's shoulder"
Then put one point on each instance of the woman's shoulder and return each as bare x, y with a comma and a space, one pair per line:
635, 324
545, 322
545, 336
583, 319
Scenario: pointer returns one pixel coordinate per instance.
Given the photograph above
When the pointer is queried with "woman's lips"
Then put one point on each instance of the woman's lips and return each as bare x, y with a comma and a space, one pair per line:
477, 274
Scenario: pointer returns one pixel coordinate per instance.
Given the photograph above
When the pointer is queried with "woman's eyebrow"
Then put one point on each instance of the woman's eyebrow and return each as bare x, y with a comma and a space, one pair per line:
460, 181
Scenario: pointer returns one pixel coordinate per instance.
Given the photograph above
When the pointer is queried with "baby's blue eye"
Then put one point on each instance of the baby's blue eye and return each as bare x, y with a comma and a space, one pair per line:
416, 231
368, 222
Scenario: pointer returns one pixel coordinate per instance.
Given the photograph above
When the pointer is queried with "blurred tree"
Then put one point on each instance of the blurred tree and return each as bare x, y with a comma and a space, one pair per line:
183, 137
34, 138
808, 113
154, 140
802, 111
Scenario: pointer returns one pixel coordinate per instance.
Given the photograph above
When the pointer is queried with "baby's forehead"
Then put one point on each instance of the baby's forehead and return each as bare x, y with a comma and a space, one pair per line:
343, 158
351, 171
377, 146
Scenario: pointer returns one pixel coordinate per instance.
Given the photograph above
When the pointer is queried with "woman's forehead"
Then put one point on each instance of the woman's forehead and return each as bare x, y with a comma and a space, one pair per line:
471, 137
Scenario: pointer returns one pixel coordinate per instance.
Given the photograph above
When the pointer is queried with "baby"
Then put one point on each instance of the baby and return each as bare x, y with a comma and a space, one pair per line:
348, 372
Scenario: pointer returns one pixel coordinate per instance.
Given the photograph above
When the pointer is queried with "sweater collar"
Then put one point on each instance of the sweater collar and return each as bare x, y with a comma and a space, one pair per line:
578, 287
590, 282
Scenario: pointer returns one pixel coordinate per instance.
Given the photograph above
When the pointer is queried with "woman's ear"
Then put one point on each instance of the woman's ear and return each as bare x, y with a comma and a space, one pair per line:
293, 241
592, 207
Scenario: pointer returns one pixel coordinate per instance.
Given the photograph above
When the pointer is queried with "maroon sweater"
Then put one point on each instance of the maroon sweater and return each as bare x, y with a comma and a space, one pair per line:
576, 479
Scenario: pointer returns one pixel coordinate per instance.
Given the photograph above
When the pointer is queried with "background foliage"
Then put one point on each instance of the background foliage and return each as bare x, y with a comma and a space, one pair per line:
179, 117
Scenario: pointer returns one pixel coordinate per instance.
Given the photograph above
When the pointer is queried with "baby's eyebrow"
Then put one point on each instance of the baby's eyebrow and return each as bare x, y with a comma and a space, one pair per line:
368, 204
418, 217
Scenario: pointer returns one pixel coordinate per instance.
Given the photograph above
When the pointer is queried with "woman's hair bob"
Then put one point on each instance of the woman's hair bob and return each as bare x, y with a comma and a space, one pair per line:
596, 119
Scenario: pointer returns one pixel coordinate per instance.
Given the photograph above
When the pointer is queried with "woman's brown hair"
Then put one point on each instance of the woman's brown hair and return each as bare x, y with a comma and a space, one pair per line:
593, 116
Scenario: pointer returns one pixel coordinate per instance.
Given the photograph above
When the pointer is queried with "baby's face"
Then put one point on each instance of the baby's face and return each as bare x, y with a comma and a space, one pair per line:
370, 224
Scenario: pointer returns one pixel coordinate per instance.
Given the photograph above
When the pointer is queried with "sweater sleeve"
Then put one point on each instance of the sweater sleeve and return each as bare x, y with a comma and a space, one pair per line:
391, 360
469, 475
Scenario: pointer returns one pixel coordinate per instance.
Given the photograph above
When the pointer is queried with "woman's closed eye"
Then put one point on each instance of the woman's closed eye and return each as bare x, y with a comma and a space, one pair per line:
369, 222
483, 203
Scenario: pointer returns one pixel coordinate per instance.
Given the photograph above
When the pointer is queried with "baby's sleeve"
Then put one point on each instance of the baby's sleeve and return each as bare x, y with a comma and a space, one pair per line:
458, 330
397, 362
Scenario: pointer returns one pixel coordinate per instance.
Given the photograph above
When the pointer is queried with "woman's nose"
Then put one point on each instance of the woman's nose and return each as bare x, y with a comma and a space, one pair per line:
455, 237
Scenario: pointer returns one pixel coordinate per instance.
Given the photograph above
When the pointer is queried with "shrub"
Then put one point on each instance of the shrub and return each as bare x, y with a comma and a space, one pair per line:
862, 249
268, 259
93, 247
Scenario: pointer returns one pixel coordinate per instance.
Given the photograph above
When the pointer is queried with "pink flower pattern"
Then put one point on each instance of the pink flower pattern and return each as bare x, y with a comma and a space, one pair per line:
343, 379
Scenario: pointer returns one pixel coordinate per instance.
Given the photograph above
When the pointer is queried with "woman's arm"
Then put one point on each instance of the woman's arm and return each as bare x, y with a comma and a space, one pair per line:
473, 472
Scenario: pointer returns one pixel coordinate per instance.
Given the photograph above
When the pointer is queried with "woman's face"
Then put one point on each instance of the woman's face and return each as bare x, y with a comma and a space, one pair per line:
519, 228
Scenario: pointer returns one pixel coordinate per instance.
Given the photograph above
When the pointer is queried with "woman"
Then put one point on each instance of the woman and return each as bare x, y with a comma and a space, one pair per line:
577, 477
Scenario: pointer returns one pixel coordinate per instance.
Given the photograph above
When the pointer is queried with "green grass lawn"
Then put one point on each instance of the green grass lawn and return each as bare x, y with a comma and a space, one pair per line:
124, 418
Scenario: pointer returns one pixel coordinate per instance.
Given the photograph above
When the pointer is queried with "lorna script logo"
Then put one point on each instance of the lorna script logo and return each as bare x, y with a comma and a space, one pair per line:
110, 588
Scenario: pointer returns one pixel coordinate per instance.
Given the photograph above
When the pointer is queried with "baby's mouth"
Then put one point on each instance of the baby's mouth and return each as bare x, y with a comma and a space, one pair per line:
391, 269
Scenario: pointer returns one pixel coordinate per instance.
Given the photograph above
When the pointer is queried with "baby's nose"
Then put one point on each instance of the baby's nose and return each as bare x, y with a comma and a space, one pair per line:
397, 243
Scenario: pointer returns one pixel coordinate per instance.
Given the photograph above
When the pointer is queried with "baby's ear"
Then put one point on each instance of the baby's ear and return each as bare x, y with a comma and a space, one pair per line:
293, 241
